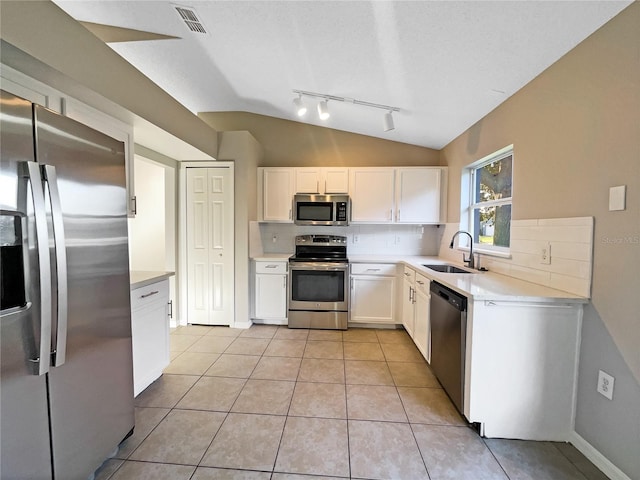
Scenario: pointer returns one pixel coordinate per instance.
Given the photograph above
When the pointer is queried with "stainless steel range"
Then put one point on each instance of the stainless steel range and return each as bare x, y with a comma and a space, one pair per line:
318, 283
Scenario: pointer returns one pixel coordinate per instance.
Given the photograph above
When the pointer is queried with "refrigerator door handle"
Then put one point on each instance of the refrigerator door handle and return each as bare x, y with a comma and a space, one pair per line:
41, 363
59, 353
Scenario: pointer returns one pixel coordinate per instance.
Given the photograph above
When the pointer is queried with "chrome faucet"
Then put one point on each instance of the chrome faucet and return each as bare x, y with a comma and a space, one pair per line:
469, 261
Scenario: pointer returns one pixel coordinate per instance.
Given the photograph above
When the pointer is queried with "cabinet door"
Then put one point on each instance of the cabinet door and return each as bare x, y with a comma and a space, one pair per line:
371, 195
422, 329
408, 310
149, 333
372, 299
418, 195
307, 180
277, 194
336, 180
271, 296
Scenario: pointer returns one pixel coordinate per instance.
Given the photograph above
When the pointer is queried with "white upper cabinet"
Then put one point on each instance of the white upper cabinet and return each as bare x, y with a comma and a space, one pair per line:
327, 180
418, 195
275, 192
336, 180
372, 195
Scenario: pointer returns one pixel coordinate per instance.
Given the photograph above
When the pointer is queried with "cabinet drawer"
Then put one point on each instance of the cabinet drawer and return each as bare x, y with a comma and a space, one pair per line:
409, 274
422, 284
149, 295
373, 269
271, 267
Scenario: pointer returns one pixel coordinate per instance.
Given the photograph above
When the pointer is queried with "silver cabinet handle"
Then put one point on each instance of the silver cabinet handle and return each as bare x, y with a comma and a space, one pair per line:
373, 269
170, 308
420, 282
149, 294
58, 355
271, 266
37, 193
407, 274
290, 217
134, 205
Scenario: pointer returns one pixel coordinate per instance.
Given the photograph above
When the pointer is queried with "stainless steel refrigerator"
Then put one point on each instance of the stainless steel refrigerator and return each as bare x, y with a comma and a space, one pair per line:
66, 387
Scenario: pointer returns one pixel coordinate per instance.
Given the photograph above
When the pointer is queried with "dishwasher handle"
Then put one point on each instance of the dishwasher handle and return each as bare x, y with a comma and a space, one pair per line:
454, 298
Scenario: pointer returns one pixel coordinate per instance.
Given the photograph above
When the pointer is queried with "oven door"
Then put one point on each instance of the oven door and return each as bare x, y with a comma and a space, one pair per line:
318, 286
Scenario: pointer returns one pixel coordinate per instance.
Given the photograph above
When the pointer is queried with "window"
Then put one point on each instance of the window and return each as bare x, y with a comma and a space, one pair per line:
489, 214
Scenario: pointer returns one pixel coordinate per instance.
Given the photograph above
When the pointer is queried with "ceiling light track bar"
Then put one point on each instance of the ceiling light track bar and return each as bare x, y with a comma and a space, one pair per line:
345, 100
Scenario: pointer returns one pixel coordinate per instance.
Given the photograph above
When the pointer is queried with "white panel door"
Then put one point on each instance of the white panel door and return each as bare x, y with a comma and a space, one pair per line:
418, 195
210, 250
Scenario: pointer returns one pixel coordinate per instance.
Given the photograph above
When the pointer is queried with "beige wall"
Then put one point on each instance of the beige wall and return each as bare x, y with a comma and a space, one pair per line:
294, 144
576, 132
246, 153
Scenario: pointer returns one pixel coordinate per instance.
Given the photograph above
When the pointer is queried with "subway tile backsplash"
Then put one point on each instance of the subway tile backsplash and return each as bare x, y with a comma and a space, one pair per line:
361, 239
571, 241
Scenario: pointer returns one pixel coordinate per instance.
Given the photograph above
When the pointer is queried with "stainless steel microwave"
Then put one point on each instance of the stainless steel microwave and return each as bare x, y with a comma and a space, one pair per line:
321, 209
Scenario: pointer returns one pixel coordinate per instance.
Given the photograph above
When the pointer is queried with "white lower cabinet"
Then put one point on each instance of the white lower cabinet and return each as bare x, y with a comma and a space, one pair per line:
373, 293
270, 301
422, 326
521, 368
150, 333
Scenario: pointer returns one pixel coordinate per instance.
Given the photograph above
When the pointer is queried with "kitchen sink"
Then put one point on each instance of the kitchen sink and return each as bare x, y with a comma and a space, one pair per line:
446, 268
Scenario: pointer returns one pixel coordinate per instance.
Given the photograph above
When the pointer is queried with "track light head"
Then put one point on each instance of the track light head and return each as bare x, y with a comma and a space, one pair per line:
388, 121
323, 110
301, 108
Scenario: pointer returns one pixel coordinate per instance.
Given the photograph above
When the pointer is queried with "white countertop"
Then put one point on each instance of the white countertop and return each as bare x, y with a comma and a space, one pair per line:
476, 286
479, 285
142, 278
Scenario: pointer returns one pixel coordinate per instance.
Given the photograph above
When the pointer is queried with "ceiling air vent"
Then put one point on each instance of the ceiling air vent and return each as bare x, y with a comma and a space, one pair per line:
190, 17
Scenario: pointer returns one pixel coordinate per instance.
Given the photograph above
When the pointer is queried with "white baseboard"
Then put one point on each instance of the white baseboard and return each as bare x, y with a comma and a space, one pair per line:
242, 324
597, 458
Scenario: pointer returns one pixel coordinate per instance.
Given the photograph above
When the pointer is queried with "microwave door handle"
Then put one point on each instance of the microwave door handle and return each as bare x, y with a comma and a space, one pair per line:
59, 353
41, 363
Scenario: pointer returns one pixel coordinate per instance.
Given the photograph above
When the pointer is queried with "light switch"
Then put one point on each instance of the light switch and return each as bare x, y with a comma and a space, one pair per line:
617, 198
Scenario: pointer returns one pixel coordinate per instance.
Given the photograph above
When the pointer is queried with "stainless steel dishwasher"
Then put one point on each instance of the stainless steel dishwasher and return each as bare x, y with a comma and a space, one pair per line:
448, 315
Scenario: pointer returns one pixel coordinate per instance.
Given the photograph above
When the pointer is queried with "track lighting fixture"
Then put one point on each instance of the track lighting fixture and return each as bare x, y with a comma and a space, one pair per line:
388, 121
323, 109
301, 108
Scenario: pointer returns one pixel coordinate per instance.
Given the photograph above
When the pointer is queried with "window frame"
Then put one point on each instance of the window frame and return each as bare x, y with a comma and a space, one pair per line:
469, 205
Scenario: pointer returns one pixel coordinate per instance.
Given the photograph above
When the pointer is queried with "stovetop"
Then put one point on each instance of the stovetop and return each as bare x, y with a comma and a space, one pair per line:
320, 248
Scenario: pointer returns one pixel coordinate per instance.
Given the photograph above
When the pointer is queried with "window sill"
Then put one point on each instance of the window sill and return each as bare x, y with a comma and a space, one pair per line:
487, 252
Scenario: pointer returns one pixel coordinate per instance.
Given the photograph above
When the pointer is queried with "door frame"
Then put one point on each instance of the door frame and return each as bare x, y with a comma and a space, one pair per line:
182, 231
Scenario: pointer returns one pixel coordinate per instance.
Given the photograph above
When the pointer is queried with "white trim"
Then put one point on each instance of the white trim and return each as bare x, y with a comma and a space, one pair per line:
597, 458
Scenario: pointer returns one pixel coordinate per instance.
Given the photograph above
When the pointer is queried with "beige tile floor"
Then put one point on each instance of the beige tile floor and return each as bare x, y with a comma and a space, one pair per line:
273, 403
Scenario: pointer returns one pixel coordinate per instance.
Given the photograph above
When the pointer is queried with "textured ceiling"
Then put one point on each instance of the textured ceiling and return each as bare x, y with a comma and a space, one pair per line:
445, 64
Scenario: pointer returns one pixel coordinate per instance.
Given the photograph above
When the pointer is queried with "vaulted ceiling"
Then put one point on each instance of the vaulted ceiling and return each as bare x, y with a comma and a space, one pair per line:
443, 64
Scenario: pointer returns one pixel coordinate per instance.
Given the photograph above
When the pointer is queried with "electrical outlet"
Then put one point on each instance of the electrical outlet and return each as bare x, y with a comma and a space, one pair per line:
545, 254
274, 239
397, 240
356, 239
605, 384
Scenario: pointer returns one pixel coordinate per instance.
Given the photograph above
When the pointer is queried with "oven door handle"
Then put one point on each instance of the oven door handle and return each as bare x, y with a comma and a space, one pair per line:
319, 266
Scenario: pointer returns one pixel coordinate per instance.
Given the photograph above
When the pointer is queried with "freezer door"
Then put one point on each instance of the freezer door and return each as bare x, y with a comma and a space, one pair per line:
91, 379
24, 444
